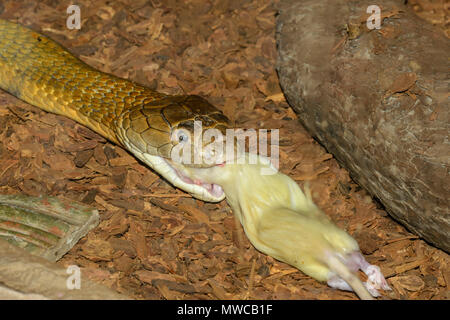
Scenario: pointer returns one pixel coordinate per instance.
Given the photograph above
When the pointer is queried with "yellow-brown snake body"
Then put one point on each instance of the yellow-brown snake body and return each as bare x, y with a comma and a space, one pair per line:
39, 71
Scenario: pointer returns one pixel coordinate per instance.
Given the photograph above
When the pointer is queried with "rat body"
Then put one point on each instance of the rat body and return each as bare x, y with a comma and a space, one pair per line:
281, 221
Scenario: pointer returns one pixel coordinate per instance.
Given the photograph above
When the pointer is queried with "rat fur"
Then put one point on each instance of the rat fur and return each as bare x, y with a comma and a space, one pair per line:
283, 222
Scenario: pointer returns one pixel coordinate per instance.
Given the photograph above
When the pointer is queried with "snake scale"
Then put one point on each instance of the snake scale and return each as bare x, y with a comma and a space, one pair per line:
41, 72
277, 217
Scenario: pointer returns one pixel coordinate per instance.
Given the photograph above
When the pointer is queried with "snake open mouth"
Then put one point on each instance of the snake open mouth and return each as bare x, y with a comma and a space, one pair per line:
174, 173
214, 192
214, 189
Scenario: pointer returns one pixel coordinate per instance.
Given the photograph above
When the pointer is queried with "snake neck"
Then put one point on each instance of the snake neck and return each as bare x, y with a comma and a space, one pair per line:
42, 73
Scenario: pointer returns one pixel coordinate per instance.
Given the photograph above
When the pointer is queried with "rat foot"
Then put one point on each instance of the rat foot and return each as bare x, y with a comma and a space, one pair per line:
338, 283
375, 279
354, 262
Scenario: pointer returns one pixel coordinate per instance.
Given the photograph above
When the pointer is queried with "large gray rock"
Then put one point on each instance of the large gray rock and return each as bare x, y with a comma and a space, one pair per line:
377, 100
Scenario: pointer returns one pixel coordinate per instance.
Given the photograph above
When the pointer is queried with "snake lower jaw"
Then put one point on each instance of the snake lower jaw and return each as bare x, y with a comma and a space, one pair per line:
173, 173
210, 192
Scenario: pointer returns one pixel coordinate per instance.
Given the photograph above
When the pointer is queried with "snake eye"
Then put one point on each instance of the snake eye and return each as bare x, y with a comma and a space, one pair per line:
182, 136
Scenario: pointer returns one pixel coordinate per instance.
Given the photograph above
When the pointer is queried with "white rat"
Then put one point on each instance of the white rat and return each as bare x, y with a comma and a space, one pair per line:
281, 221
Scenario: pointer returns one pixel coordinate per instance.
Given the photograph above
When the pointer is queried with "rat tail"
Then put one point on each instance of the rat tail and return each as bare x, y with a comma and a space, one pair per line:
338, 267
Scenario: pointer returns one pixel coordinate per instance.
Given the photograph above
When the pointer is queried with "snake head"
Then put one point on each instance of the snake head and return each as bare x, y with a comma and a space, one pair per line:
198, 133
186, 130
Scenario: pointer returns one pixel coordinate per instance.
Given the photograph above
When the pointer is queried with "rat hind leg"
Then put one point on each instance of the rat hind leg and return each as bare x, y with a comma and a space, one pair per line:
375, 279
342, 270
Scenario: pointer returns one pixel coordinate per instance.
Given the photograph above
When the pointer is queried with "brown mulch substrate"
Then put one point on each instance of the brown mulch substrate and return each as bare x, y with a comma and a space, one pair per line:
157, 242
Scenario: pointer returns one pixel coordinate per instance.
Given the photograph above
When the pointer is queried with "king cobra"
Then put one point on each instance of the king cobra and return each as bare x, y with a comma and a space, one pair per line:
277, 217
147, 123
